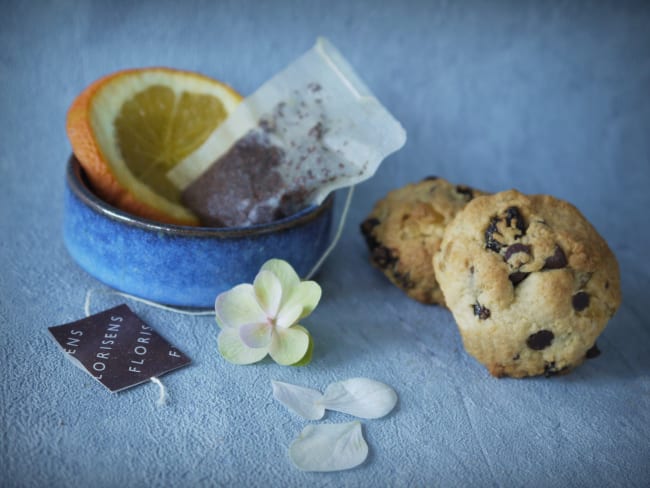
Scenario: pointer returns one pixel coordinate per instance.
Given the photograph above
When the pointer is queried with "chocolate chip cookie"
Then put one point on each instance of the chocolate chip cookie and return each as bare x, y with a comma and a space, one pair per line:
405, 229
529, 281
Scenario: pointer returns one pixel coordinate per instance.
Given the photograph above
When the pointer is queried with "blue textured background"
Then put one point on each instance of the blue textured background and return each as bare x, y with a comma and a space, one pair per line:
549, 97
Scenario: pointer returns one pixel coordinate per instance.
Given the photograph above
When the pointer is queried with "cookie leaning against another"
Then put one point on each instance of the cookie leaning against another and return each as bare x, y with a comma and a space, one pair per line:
529, 281
405, 229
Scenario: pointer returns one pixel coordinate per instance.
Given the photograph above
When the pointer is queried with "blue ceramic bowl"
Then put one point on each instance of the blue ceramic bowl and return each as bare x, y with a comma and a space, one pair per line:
179, 265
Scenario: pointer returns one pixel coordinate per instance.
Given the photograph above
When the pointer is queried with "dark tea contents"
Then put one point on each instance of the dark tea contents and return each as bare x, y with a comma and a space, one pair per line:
241, 187
270, 172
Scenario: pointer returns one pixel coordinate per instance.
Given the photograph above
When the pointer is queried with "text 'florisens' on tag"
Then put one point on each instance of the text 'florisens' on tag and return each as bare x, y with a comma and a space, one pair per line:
117, 348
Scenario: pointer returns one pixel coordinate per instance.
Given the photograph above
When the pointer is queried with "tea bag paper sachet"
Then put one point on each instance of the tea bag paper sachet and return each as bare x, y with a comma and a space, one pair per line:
313, 128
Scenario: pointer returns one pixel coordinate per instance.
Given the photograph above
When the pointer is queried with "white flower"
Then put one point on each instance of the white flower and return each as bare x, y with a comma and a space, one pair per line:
261, 318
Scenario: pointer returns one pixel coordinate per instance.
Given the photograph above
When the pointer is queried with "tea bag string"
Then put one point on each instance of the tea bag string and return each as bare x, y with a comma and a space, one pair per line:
178, 310
337, 236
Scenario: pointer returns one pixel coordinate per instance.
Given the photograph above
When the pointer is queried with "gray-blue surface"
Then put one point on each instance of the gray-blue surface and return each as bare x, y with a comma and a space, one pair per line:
548, 97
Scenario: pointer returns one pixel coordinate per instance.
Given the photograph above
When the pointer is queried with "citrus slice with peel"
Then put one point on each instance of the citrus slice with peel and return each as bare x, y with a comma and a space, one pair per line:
130, 128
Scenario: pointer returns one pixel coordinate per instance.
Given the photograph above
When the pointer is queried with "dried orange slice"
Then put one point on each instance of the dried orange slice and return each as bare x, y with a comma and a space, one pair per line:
130, 128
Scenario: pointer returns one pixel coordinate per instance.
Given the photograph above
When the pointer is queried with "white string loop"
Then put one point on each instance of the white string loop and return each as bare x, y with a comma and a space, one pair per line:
182, 311
162, 399
337, 236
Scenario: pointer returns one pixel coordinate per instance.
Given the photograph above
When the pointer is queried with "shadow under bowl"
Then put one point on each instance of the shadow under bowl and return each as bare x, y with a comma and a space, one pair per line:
181, 265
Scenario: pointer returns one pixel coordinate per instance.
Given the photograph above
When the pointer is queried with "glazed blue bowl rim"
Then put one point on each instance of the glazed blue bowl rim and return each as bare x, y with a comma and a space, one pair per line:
76, 181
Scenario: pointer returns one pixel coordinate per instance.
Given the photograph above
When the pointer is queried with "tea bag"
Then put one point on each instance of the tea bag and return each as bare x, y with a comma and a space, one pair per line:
311, 129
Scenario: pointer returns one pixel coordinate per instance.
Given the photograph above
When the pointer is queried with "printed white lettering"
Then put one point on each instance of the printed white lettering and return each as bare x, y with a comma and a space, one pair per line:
140, 350
174, 353
143, 340
133, 369
99, 366
103, 355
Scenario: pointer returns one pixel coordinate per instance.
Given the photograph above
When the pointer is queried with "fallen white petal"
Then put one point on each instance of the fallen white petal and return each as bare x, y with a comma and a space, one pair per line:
361, 397
329, 447
300, 400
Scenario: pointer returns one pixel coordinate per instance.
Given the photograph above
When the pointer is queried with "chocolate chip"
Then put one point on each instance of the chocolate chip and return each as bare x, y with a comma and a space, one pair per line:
367, 227
514, 249
513, 219
430, 178
607, 285
557, 260
404, 280
383, 257
481, 312
466, 191
517, 277
515, 357
540, 340
593, 352
551, 370
512, 213
580, 301
490, 242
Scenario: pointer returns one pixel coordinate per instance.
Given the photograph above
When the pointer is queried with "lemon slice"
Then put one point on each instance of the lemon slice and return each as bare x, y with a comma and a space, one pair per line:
130, 128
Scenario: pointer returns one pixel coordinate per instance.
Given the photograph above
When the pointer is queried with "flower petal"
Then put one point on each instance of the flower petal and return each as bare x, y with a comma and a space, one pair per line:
307, 294
234, 350
288, 315
285, 273
268, 290
361, 397
288, 346
306, 359
238, 306
329, 447
256, 335
300, 400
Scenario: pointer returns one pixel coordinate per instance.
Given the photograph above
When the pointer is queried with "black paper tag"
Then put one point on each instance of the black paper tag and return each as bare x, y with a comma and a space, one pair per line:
117, 348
